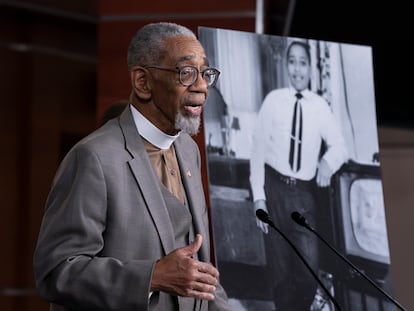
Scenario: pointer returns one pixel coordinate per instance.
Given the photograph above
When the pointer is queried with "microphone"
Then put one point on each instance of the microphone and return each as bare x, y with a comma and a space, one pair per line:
264, 217
301, 220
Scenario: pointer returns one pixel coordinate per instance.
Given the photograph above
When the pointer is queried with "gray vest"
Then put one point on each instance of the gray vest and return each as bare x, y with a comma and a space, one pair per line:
181, 219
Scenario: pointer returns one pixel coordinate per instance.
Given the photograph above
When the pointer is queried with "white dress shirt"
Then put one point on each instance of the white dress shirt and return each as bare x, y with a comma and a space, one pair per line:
271, 137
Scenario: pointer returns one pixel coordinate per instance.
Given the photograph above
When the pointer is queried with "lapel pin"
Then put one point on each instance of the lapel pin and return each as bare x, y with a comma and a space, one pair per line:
188, 173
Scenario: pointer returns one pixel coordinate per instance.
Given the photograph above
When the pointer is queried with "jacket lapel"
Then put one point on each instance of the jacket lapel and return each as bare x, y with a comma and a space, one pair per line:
190, 175
147, 180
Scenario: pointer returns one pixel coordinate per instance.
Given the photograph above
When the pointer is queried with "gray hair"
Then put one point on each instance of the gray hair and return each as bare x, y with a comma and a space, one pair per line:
147, 46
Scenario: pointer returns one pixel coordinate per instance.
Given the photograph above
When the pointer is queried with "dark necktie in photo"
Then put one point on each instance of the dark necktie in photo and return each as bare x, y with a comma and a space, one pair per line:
296, 136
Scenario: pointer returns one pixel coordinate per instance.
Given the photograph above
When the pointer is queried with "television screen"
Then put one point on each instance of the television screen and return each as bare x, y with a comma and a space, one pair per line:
363, 216
368, 216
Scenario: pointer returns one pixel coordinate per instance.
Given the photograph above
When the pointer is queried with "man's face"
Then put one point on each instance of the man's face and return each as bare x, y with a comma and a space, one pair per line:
180, 106
298, 66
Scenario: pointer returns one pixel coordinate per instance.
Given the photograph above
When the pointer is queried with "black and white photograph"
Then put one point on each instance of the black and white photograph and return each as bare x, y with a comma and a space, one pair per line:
296, 195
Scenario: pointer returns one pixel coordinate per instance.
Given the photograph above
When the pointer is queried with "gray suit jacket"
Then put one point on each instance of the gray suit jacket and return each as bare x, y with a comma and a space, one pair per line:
106, 223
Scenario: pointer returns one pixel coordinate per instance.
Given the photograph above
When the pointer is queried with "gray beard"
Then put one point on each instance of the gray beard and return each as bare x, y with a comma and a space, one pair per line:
189, 125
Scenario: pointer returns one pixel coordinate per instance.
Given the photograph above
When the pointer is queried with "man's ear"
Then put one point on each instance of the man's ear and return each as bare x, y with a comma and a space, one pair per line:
141, 83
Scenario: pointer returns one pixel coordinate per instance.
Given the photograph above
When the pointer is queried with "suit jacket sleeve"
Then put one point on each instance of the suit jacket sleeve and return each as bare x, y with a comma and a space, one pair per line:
68, 264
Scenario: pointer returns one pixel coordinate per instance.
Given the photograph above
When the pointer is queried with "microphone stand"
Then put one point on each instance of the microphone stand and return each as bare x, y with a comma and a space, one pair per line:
264, 217
301, 220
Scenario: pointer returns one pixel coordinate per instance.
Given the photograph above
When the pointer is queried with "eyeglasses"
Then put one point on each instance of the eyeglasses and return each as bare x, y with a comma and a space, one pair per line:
188, 74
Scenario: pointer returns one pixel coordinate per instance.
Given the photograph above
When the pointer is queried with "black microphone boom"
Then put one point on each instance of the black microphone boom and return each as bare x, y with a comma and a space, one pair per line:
301, 220
264, 217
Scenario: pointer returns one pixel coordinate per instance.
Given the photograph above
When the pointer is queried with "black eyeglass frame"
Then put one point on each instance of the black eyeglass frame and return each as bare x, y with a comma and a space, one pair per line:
179, 69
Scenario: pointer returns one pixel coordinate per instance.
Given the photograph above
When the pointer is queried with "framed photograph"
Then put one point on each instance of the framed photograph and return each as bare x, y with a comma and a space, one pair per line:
291, 126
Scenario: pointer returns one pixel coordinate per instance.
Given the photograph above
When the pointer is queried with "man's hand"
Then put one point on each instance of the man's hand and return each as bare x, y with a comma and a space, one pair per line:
179, 274
261, 204
324, 174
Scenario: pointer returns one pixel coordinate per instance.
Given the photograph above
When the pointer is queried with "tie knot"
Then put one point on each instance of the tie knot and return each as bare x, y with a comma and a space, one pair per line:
298, 95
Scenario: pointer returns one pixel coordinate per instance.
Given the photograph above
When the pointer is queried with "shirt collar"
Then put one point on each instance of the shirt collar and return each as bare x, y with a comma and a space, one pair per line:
305, 92
150, 132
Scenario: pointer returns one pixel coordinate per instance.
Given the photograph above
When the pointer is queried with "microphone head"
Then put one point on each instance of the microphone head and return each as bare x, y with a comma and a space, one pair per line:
262, 215
299, 219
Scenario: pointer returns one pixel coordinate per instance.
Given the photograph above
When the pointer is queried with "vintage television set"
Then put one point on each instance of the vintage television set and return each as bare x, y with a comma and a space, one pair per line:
360, 234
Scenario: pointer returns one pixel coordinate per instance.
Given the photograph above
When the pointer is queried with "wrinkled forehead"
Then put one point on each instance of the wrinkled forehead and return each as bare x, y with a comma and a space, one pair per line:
184, 49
